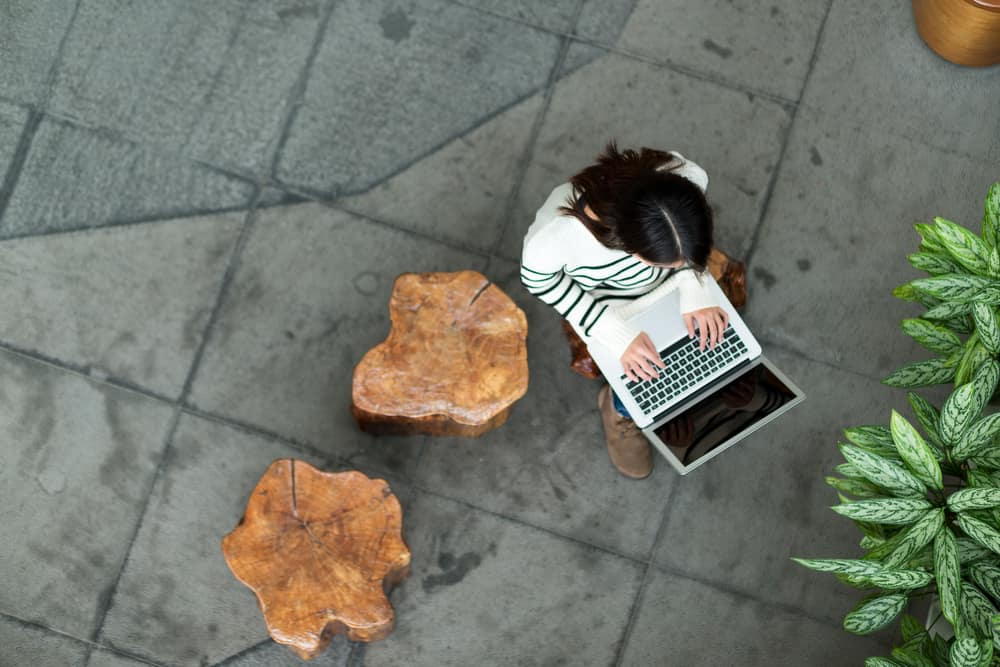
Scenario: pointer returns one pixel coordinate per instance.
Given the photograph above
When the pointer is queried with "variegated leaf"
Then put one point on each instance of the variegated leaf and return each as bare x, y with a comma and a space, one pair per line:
906, 292
911, 658
979, 436
995, 630
970, 551
966, 652
977, 609
958, 413
947, 571
911, 627
993, 265
980, 531
884, 473
991, 217
850, 471
916, 454
948, 310
876, 661
985, 377
855, 487
939, 650
930, 420
874, 439
974, 499
854, 568
933, 263
959, 287
934, 337
891, 511
986, 325
967, 248
874, 614
869, 542
900, 580
989, 459
915, 538
921, 374
987, 577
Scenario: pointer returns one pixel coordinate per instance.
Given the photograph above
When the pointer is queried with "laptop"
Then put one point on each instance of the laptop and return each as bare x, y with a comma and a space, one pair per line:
705, 401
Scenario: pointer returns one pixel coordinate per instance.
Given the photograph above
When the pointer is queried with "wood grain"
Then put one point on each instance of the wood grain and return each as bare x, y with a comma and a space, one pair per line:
320, 550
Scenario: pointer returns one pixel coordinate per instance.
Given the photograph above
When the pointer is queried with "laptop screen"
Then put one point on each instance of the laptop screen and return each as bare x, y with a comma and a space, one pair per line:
733, 409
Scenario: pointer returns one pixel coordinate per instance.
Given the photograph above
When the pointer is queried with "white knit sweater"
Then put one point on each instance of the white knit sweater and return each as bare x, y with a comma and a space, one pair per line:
594, 287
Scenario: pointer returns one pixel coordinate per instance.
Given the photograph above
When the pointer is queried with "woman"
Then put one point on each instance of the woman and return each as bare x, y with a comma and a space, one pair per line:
635, 224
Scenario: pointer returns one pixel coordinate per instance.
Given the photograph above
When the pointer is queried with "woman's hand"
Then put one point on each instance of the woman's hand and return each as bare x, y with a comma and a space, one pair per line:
641, 359
711, 323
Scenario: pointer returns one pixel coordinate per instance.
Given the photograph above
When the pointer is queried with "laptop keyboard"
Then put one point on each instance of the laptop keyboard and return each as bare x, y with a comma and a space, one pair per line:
686, 366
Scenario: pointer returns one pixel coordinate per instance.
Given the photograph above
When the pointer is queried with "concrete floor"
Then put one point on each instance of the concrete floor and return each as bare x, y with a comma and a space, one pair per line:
204, 205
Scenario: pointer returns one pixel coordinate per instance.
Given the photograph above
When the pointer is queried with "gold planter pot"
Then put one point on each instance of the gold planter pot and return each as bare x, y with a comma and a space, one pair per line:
966, 32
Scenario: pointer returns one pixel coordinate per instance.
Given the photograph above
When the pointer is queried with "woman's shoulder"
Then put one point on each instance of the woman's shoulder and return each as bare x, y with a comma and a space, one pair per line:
680, 165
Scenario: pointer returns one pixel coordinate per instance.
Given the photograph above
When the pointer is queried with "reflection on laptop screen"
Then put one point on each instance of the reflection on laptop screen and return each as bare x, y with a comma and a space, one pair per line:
735, 408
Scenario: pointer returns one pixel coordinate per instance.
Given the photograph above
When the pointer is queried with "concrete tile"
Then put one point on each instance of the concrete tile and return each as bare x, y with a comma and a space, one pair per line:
211, 80
679, 621
176, 583
461, 192
837, 233
32, 30
23, 644
556, 15
78, 463
736, 138
12, 121
309, 299
873, 70
127, 302
391, 85
108, 658
767, 46
272, 654
484, 590
602, 20
548, 465
738, 519
75, 178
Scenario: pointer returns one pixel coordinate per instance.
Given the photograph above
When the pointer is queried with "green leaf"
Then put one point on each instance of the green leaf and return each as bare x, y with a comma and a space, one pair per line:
930, 420
884, 473
874, 613
921, 374
916, 454
939, 649
974, 499
988, 459
911, 627
987, 577
911, 658
958, 413
855, 487
915, 538
986, 324
934, 263
960, 287
934, 337
869, 542
876, 661
995, 630
991, 217
906, 292
966, 652
892, 511
948, 573
850, 471
993, 264
977, 610
963, 245
948, 310
980, 531
874, 439
978, 436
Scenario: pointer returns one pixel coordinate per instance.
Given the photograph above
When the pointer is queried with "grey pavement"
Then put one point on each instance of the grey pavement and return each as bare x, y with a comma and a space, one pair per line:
203, 207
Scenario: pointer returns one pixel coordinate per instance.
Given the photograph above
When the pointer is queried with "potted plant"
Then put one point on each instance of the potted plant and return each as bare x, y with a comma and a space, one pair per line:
925, 493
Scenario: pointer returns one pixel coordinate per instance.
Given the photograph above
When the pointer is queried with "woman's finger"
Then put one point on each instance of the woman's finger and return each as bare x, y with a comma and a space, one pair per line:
689, 323
703, 329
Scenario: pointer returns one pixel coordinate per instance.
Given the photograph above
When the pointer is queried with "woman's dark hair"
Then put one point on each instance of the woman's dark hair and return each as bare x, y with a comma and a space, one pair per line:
643, 208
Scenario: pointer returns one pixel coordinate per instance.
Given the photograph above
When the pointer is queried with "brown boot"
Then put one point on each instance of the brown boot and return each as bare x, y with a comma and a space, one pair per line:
628, 448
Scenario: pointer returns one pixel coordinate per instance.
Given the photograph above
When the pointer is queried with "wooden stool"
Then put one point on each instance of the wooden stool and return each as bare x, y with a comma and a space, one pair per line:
453, 364
729, 273
965, 32
320, 550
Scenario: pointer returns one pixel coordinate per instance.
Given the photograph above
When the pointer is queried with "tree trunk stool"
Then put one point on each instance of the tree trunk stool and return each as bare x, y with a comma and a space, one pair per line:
320, 550
454, 363
728, 272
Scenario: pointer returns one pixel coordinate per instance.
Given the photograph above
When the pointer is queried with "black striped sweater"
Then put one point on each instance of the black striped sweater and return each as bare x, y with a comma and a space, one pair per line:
594, 287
